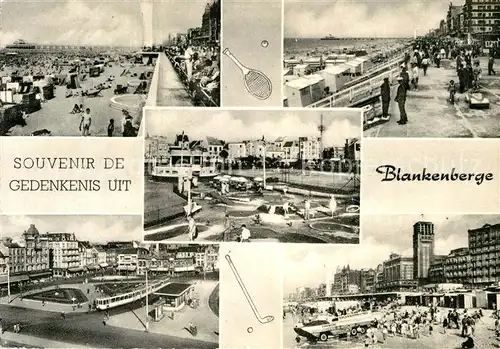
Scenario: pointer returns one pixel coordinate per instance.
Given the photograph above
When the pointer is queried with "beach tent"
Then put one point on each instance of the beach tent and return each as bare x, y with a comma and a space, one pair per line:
302, 69
72, 81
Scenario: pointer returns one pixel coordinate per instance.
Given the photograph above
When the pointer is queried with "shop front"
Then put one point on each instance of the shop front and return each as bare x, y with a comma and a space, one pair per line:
176, 295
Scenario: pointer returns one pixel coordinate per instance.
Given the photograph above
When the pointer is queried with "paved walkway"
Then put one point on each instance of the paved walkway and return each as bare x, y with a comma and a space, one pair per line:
17, 301
203, 317
430, 114
37, 342
171, 91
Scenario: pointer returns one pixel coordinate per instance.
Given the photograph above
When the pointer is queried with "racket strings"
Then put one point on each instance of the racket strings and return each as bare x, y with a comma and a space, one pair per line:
258, 84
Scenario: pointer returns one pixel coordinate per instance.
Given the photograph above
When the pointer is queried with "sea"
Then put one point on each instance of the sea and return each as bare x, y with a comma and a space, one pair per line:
302, 45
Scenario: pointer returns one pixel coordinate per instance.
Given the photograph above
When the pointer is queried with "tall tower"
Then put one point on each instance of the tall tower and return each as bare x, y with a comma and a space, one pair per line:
147, 22
423, 248
321, 129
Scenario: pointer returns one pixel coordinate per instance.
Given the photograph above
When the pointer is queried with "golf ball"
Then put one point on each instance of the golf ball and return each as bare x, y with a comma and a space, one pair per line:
264, 43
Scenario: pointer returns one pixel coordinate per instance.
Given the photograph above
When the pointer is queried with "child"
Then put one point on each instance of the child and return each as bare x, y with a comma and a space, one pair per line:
111, 127
452, 88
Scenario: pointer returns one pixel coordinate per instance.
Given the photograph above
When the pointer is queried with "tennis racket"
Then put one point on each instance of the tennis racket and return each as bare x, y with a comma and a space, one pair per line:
256, 82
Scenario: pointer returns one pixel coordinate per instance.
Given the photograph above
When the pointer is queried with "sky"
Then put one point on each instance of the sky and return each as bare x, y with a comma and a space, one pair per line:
380, 235
97, 229
363, 18
92, 22
232, 126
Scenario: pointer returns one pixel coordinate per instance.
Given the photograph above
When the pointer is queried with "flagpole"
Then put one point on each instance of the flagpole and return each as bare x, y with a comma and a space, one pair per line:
8, 283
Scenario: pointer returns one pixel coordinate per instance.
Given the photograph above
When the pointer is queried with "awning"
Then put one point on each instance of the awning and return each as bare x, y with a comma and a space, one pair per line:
40, 274
13, 278
126, 268
75, 270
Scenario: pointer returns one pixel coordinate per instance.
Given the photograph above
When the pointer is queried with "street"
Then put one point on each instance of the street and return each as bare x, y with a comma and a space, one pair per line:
88, 330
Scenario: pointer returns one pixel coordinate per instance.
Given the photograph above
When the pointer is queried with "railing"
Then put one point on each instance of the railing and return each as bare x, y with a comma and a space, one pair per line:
363, 87
358, 93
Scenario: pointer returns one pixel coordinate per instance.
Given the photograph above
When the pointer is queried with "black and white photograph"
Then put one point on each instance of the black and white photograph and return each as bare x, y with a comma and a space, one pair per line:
88, 281
91, 71
252, 175
418, 69
416, 281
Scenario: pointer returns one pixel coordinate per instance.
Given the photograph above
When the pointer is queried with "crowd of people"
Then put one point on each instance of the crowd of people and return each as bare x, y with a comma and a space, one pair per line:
430, 52
199, 68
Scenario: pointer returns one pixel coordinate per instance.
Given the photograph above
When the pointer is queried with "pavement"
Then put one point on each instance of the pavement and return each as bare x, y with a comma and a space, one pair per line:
55, 113
431, 115
203, 317
171, 91
44, 327
22, 302
484, 338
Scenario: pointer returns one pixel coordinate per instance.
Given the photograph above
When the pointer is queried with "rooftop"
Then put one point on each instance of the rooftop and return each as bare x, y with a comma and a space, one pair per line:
174, 289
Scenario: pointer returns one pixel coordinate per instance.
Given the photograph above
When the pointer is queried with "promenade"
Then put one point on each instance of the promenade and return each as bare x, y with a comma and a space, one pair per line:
431, 115
170, 90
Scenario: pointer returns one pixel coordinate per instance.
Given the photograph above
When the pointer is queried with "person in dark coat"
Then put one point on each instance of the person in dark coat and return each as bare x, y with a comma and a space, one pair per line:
491, 62
385, 92
405, 76
401, 99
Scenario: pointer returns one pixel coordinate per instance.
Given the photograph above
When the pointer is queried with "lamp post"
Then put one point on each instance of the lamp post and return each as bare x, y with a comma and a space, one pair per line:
264, 162
147, 299
8, 283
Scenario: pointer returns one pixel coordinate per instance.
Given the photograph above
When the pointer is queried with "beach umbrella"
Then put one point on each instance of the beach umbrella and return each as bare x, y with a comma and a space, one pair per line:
242, 179
226, 176
224, 179
258, 179
234, 179
217, 178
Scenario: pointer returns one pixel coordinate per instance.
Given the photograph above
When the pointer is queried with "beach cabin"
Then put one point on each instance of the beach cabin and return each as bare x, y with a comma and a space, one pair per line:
288, 75
366, 63
304, 91
302, 69
355, 67
336, 76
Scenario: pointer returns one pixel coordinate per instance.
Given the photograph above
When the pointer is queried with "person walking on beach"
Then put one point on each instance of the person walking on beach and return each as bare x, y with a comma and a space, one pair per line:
85, 123
385, 92
401, 100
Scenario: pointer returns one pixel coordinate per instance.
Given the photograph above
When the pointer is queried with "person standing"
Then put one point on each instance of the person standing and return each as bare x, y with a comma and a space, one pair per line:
85, 123
491, 63
401, 100
425, 64
245, 234
415, 76
191, 228
332, 204
111, 127
188, 59
307, 208
385, 93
